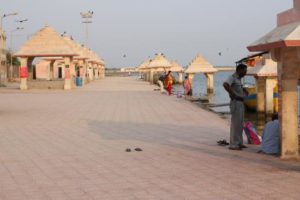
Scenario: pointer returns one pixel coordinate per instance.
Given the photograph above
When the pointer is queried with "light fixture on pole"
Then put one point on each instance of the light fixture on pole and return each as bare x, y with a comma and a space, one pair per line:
6, 15
22, 20
11, 51
87, 20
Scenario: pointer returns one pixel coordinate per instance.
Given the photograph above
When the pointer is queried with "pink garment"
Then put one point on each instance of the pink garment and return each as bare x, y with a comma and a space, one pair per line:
187, 86
251, 133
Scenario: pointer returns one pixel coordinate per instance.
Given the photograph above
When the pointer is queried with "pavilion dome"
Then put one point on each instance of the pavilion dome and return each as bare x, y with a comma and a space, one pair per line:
75, 47
200, 65
159, 63
176, 67
46, 43
144, 65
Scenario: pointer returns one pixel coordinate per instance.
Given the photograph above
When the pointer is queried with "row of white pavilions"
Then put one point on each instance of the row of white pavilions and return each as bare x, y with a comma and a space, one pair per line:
63, 58
160, 64
264, 72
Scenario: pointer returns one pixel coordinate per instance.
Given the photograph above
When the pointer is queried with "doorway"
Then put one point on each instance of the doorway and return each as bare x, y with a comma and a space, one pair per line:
60, 72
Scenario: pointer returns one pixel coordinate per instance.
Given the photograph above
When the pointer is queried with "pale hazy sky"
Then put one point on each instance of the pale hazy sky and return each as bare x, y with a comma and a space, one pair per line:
140, 28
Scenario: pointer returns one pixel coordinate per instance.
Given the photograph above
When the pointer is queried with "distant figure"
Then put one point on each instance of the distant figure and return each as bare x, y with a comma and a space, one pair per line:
237, 94
169, 82
160, 82
187, 85
270, 137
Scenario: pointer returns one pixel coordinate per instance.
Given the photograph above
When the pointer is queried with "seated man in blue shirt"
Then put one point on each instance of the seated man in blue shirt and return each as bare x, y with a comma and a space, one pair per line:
270, 137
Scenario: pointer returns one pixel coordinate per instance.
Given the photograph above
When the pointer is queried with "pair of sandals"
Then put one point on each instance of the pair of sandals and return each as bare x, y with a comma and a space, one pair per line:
136, 149
223, 143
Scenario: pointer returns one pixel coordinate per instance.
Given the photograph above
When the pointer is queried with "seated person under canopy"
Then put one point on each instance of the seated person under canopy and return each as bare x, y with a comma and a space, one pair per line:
270, 137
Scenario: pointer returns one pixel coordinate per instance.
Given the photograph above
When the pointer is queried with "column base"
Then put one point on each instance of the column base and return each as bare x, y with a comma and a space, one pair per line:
23, 84
290, 157
68, 84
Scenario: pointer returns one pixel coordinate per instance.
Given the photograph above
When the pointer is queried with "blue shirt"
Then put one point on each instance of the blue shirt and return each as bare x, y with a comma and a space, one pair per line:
270, 138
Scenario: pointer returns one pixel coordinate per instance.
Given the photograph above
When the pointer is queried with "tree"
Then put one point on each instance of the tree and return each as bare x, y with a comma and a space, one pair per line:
15, 60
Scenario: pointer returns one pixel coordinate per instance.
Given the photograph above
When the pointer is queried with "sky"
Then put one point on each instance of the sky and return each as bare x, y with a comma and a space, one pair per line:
125, 33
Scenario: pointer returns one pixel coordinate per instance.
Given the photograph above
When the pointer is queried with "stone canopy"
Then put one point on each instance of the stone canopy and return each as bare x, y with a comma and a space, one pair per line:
286, 34
75, 47
142, 66
266, 68
159, 63
200, 65
46, 43
176, 67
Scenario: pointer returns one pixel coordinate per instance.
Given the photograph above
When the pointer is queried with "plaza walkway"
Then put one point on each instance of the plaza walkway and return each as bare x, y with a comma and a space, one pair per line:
58, 145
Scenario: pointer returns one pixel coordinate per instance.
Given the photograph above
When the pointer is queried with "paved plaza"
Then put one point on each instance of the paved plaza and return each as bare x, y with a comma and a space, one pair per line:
70, 145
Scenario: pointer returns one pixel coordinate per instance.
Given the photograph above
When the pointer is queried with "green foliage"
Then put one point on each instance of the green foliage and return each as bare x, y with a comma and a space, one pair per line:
15, 61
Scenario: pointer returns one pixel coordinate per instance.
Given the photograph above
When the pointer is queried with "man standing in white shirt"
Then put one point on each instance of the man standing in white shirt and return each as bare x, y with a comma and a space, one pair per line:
237, 94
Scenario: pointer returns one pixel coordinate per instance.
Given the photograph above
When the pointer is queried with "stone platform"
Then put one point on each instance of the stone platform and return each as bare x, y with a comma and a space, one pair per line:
70, 145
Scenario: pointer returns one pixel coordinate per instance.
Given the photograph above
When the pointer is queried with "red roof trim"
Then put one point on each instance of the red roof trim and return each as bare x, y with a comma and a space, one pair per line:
274, 45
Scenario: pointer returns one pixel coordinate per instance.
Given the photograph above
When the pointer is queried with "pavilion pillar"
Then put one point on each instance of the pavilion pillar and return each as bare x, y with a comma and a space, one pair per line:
210, 82
81, 71
103, 71
288, 75
85, 71
50, 69
96, 71
91, 72
271, 83
48, 77
180, 77
191, 76
151, 76
69, 73
260, 94
24, 73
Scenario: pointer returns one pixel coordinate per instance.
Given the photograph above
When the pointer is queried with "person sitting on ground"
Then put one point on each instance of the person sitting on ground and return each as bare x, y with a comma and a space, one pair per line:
270, 137
160, 82
187, 85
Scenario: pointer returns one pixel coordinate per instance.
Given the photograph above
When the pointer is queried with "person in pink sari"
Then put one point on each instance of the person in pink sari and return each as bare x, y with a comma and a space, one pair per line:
187, 85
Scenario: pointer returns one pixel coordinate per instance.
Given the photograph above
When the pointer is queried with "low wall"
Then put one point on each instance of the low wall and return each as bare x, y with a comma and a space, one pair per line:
44, 84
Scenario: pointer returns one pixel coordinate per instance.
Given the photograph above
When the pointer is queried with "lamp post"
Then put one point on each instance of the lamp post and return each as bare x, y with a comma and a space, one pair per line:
11, 51
3, 33
87, 20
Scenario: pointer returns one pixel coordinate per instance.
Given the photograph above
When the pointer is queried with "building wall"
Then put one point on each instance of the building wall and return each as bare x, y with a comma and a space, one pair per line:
42, 70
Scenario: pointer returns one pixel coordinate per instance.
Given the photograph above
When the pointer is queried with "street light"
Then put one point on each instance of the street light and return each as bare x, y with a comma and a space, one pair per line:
87, 20
6, 15
11, 51
22, 20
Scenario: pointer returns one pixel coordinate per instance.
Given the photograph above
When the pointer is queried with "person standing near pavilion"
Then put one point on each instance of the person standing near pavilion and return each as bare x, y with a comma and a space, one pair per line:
187, 85
233, 85
169, 82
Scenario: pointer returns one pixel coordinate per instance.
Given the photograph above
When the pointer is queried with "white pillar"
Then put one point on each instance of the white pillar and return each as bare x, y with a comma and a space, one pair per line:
260, 94
288, 70
24, 74
271, 83
191, 76
210, 82
180, 77
68, 73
